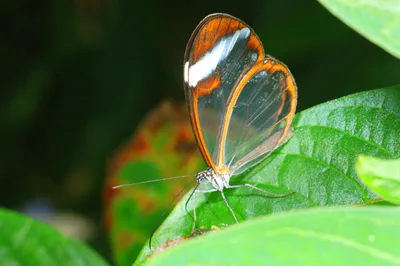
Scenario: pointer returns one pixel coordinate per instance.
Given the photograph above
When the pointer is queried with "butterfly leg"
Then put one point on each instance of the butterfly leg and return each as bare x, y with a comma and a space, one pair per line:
229, 206
206, 191
194, 204
269, 194
193, 194
224, 198
194, 212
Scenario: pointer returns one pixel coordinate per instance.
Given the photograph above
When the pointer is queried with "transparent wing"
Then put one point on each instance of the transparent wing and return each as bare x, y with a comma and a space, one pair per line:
263, 109
219, 53
241, 103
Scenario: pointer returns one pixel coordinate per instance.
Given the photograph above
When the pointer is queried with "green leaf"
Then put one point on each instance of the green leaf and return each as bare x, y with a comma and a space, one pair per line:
378, 21
24, 241
339, 236
381, 176
317, 163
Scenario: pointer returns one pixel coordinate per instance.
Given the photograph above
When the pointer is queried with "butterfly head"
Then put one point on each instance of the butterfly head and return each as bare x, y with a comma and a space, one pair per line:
208, 176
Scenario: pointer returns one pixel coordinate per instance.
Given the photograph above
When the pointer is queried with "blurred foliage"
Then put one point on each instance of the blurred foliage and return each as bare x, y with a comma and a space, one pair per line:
77, 77
163, 146
376, 20
25, 241
381, 176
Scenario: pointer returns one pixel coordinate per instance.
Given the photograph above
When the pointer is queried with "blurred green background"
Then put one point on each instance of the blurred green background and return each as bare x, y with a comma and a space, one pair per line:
78, 76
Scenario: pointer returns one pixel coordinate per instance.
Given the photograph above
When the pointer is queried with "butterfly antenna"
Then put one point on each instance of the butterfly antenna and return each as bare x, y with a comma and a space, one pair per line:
151, 181
169, 207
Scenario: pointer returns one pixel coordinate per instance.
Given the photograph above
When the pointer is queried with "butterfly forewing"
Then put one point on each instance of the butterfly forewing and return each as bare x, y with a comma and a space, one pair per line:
220, 50
237, 100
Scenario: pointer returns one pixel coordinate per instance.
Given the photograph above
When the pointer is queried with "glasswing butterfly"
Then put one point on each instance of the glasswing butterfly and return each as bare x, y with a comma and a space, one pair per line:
241, 101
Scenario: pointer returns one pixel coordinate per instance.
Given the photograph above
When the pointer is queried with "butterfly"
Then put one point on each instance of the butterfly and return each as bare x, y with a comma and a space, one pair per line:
241, 102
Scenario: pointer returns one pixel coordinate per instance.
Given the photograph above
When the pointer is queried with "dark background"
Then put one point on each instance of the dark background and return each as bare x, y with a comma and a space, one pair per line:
77, 77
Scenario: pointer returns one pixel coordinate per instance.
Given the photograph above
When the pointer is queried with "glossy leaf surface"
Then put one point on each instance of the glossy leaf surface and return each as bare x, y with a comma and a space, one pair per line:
317, 163
330, 236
